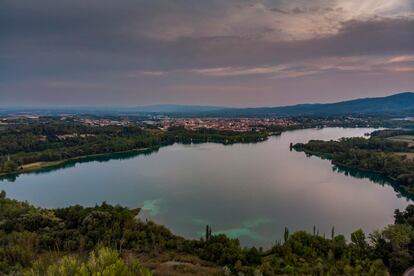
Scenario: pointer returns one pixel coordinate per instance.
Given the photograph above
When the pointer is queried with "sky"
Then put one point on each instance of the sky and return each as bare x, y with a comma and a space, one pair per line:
209, 52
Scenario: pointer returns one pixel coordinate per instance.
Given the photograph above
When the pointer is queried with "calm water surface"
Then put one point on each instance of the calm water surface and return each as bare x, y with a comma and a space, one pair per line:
249, 191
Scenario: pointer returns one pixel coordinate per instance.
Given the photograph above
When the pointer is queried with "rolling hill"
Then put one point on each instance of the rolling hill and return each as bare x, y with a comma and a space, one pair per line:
398, 104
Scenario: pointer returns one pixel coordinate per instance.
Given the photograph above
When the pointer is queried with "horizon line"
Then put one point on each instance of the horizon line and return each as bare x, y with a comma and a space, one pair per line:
103, 106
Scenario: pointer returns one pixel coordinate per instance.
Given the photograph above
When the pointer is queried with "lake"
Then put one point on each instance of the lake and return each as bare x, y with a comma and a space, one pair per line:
249, 191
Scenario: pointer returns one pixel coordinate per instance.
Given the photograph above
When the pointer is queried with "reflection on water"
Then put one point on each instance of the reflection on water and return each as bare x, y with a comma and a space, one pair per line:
249, 191
72, 163
151, 206
248, 229
374, 177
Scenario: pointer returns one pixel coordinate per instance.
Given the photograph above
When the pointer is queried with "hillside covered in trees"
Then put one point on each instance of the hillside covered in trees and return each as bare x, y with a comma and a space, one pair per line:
110, 239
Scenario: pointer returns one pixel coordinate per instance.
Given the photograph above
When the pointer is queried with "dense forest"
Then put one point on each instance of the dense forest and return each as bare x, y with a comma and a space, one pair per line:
391, 158
111, 240
30, 146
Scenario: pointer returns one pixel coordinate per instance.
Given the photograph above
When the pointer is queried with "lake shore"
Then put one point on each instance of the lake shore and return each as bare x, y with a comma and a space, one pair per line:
343, 158
36, 166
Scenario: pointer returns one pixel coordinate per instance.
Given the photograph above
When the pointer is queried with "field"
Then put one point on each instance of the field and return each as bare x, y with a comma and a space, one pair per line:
403, 138
408, 155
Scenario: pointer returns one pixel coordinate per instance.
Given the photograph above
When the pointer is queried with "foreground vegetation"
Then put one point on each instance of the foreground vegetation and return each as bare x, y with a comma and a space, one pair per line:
29, 147
381, 154
110, 240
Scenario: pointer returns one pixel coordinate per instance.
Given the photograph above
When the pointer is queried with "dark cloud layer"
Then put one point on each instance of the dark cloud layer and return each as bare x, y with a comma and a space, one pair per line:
134, 52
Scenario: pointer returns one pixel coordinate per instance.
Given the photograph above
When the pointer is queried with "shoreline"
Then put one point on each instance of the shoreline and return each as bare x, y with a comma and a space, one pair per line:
392, 181
36, 166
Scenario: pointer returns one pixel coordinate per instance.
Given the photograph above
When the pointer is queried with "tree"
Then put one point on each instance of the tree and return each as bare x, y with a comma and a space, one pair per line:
286, 234
253, 256
101, 262
359, 244
208, 232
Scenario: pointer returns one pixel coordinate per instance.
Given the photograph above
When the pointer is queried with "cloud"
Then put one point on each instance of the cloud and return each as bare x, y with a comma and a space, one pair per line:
152, 73
405, 58
132, 43
309, 67
235, 71
155, 35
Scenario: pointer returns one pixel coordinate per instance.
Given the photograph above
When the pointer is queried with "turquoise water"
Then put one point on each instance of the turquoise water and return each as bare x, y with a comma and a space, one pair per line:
249, 191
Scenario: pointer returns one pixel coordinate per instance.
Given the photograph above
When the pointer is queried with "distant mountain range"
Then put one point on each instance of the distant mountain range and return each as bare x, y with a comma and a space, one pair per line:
398, 104
401, 104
